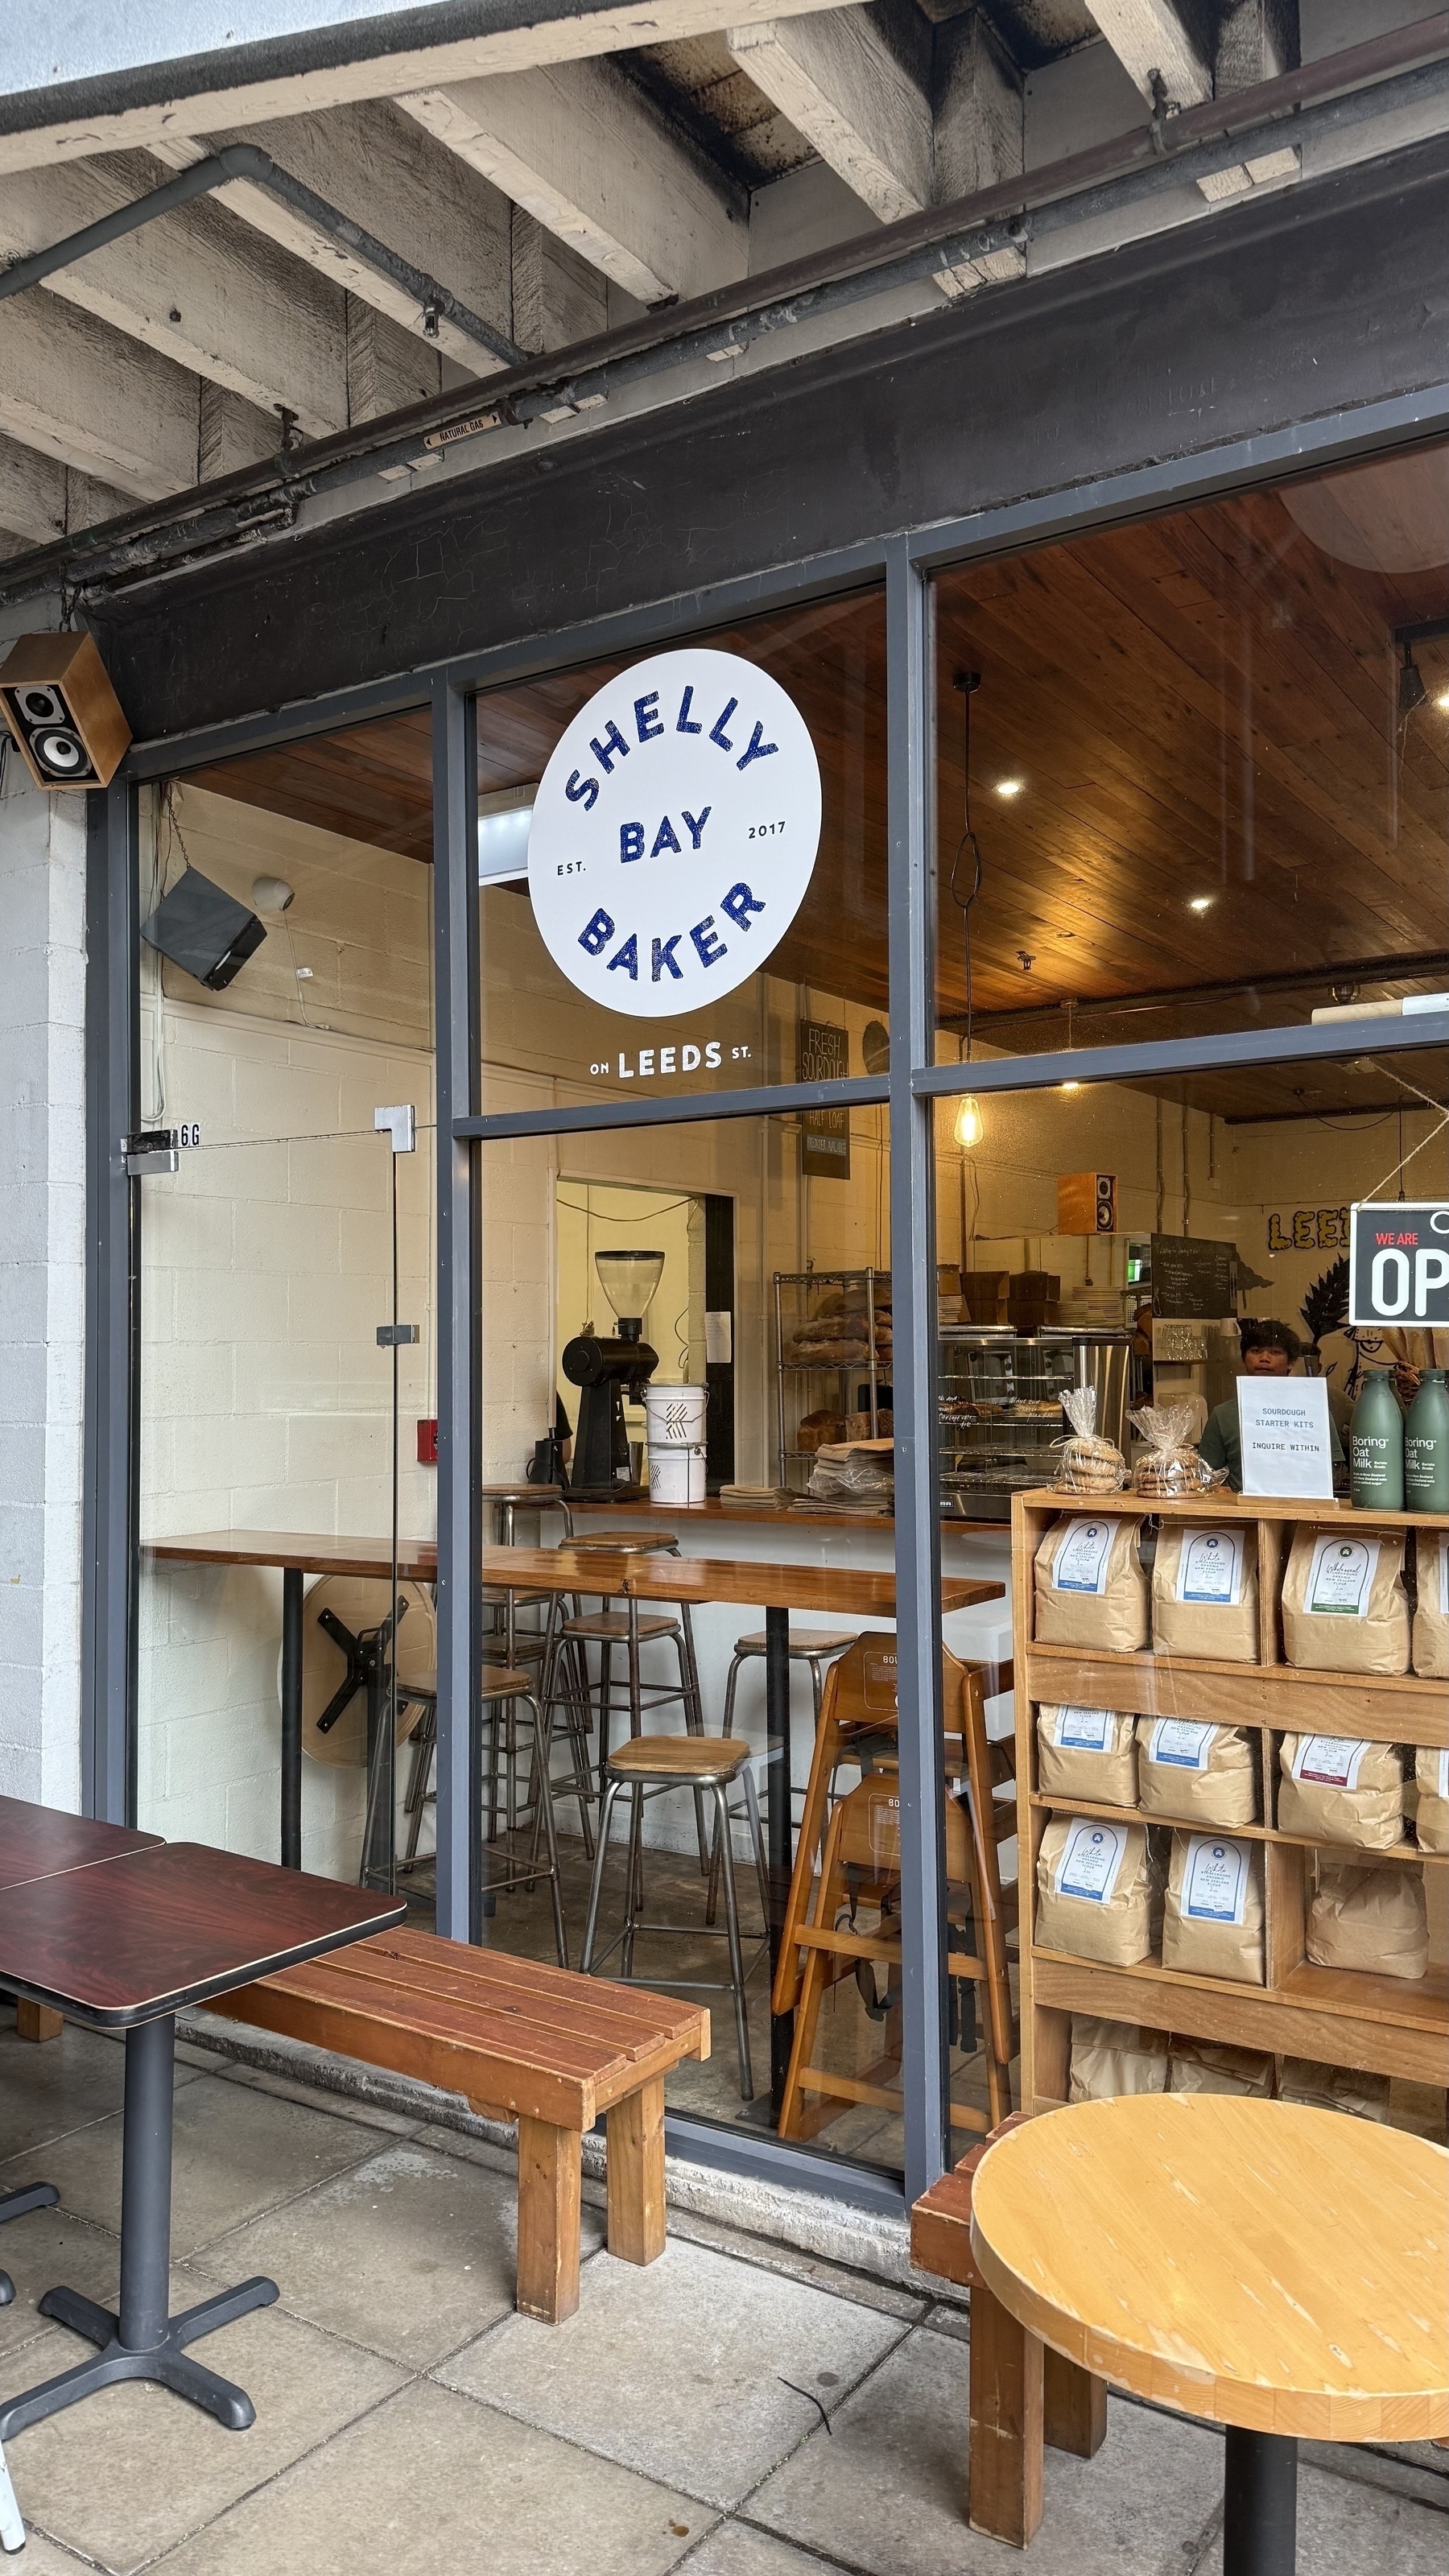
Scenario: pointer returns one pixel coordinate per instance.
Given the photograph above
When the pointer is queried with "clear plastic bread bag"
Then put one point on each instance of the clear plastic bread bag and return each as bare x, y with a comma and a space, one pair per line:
1172, 1468
1089, 1464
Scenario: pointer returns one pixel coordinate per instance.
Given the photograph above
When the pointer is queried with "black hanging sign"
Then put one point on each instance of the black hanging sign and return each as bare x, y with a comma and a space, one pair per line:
823, 1055
1398, 1264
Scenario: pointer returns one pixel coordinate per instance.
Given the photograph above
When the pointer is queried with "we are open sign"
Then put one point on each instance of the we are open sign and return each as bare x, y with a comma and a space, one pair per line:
1398, 1264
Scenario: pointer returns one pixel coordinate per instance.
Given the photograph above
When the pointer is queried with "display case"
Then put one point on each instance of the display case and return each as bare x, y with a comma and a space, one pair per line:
832, 1363
1000, 1407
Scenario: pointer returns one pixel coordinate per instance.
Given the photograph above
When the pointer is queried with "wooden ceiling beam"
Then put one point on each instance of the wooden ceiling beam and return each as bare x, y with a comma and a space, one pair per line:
95, 399
41, 499
1158, 37
850, 95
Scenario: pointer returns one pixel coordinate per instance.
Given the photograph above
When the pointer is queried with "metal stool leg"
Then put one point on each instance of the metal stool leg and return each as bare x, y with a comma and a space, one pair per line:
757, 1835
732, 1926
729, 1705
541, 1741
612, 1789
634, 1873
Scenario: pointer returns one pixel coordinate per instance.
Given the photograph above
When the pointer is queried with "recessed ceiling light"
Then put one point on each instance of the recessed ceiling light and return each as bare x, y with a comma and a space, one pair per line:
1200, 903
1071, 1086
1441, 701
1010, 786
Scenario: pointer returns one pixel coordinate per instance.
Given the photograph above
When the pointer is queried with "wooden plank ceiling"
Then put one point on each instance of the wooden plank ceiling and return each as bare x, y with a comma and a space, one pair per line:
1198, 707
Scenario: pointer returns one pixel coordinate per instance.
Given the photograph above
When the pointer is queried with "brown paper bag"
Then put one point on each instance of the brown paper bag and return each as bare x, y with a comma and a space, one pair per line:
1205, 1590
1199, 1775
1334, 2088
1087, 1753
1335, 1789
1431, 1618
1203, 2066
1110, 2058
1091, 1589
1344, 1605
1213, 1926
1095, 1891
1431, 1813
1371, 1919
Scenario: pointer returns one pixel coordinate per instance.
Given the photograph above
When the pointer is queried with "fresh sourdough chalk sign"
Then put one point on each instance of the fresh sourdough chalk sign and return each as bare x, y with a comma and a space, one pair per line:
674, 833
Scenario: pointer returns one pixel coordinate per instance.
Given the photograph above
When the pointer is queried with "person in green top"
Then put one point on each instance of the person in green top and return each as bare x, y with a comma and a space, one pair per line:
1269, 1350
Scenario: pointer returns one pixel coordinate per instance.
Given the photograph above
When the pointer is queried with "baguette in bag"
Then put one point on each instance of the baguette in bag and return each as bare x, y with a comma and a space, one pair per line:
1091, 1589
1344, 1604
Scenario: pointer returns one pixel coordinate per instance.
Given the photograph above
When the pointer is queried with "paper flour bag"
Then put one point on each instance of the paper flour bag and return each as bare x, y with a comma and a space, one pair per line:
1095, 1891
1205, 2066
1431, 1815
1205, 1591
1200, 1775
1338, 1790
1334, 2088
1213, 1926
1110, 2058
1091, 1589
1431, 1618
1373, 1919
1344, 1604
1087, 1753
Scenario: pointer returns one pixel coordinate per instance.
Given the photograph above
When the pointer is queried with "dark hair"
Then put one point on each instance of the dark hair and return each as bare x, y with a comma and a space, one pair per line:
1268, 1336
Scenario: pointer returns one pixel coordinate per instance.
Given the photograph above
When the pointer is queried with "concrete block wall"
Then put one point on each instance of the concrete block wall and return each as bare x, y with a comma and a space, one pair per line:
42, 1285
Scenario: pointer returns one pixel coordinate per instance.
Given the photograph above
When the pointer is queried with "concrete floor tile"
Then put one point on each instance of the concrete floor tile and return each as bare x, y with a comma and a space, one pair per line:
1345, 2529
679, 2369
771, 2256
433, 2485
887, 2492
43, 2557
411, 2253
236, 2153
284, 2088
131, 2471
1418, 2470
733, 2549
45, 2247
50, 2089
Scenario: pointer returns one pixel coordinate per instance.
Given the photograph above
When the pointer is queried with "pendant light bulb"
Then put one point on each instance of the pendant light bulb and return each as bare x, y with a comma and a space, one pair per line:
970, 1125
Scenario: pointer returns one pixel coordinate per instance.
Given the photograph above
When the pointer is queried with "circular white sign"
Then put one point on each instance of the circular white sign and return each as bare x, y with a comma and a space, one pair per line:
674, 833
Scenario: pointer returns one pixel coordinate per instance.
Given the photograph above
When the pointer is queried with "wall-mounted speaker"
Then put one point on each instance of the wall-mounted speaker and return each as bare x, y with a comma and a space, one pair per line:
62, 710
1087, 1203
200, 926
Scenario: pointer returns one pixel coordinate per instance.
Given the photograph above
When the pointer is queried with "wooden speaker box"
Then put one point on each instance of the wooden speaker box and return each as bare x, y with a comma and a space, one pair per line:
63, 712
1087, 1203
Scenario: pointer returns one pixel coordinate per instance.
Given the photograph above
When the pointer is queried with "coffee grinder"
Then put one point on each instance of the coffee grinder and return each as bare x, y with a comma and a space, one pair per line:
602, 1369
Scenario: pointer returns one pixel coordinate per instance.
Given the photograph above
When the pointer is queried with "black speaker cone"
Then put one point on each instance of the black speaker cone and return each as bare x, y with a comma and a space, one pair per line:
40, 706
62, 753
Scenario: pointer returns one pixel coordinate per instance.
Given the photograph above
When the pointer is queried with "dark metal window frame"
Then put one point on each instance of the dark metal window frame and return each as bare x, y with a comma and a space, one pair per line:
903, 565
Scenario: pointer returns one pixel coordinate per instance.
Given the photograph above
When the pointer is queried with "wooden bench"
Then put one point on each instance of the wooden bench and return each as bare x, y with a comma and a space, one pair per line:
520, 2041
1021, 2393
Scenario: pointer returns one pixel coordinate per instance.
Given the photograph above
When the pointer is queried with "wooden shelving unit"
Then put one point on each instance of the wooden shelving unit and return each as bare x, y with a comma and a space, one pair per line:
1381, 2025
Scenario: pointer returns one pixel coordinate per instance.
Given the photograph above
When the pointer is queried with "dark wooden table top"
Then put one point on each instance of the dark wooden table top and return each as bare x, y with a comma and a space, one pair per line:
308, 1551
43, 1842
159, 1928
844, 1590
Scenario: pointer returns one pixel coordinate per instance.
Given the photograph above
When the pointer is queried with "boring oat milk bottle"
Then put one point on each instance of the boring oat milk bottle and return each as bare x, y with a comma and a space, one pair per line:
1376, 1446
1426, 1446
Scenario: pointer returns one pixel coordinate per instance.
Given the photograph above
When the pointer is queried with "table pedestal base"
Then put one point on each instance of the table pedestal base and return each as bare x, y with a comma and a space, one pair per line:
14, 2204
1260, 2504
144, 2341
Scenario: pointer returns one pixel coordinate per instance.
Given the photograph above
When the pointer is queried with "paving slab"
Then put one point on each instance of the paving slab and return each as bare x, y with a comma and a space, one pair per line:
733, 2549
51, 2087
285, 2088
680, 2368
886, 2489
1348, 2530
127, 2474
431, 2481
236, 2153
38, 2251
412, 2252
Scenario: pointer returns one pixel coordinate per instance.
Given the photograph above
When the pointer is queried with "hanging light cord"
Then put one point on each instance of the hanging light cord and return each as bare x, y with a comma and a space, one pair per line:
968, 849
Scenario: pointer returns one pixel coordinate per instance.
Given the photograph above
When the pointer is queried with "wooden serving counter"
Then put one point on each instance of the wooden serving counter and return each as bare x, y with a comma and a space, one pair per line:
1377, 2024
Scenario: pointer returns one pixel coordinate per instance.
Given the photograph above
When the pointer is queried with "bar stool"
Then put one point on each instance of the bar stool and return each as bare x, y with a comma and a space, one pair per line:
648, 1766
813, 1646
573, 1632
524, 1497
501, 1693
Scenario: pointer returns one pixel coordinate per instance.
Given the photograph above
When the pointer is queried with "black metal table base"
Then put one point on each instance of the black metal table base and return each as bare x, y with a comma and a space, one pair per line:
142, 2341
1260, 2504
14, 2204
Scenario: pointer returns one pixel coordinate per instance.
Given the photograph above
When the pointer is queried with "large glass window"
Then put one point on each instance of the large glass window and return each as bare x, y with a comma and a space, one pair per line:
1208, 763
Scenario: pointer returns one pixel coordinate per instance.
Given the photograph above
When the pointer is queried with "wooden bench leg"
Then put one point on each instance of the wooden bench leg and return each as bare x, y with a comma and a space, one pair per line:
37, 2021
550, 2176
1074, 2406
636, 2174
1006, 2423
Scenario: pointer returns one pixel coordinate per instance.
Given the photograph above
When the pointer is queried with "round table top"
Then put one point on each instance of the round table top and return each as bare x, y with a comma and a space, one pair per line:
1262, 2265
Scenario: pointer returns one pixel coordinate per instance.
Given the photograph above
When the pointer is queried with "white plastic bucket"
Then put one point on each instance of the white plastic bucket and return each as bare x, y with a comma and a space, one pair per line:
676, 1475
674, 1416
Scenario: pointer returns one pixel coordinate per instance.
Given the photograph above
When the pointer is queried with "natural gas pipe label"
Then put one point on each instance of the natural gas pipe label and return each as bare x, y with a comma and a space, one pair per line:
674, 833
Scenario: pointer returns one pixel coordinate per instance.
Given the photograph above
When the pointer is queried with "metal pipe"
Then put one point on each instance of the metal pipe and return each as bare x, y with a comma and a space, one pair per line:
1365, 970
248, 161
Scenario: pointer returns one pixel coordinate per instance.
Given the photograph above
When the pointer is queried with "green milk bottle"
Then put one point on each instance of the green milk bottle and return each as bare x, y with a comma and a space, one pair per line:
1426, 1446
1376, 1446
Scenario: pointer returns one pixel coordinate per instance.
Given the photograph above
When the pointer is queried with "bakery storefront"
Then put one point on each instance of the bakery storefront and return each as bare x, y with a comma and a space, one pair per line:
865, 1074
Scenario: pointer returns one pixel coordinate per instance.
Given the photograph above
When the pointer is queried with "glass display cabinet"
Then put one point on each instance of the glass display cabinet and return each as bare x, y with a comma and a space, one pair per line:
1000, 1407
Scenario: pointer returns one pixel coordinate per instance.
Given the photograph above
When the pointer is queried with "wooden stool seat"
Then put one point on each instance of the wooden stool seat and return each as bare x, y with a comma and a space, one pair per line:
611, 1627
497, 1593
804, 1642
495, 1682
614, 1542
679, 1757
520, 2041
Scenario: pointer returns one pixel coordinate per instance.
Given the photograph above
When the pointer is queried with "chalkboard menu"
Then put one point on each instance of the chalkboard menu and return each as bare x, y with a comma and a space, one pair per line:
1193, 1281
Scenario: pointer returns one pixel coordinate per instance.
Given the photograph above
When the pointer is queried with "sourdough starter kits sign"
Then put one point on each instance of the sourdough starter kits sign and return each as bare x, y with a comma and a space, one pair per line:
1398, 1264
674, 833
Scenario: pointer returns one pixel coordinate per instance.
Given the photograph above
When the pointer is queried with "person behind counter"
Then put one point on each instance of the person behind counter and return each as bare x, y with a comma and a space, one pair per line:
1269, 1350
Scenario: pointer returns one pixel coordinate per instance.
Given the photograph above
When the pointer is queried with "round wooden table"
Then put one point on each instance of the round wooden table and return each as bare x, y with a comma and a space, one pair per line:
1282, 2272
